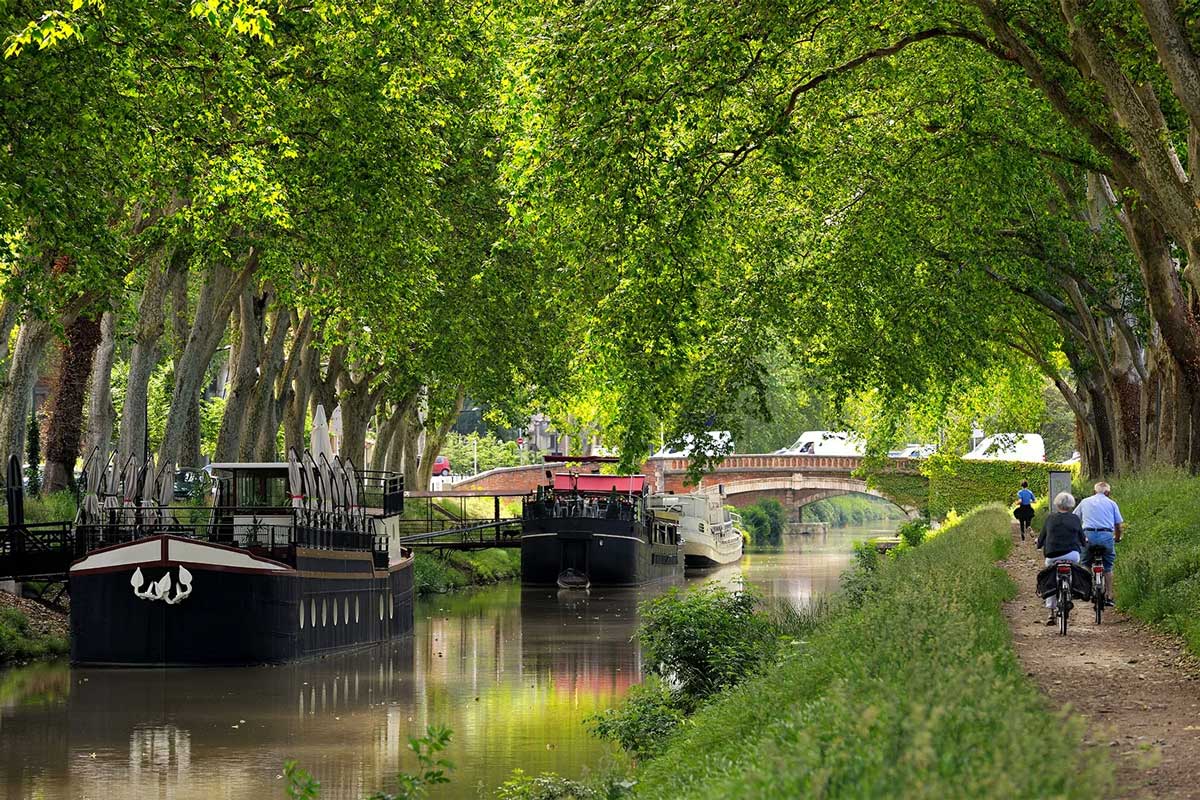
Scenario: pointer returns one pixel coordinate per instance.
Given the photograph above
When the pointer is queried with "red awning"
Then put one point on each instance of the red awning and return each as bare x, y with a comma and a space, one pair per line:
623, 484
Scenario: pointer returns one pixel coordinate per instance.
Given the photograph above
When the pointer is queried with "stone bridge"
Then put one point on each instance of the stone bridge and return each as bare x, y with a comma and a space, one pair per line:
795, 481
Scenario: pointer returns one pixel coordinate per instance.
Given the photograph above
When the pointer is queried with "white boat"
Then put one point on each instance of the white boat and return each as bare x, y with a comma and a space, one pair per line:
706, 527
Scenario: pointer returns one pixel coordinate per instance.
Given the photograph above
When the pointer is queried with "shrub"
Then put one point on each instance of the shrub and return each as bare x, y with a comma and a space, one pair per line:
705, 639
913, 532
916, 694
549, 786
962, 484
642, 723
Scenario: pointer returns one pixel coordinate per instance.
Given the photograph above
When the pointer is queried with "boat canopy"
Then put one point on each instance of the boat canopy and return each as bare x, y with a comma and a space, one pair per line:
621, 484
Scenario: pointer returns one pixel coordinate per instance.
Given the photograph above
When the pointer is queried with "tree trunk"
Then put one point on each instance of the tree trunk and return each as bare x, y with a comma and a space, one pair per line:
244, 359
65, 426
32, 338
437, 437
217, 297
143, 359
357, 401
387, 421
100, 408
259, 437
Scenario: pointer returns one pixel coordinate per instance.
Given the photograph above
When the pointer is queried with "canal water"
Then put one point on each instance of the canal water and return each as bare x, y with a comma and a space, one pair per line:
512, 672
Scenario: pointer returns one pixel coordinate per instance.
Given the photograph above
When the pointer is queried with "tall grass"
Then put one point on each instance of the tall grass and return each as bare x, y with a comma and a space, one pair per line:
1157, 573
914, 693
435, 574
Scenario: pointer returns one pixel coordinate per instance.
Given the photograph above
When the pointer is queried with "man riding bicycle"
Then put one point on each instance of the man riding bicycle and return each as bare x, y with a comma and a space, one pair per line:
1103, 527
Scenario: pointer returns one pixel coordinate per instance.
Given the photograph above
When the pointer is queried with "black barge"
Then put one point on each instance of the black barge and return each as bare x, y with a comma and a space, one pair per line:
596, 526
294, 559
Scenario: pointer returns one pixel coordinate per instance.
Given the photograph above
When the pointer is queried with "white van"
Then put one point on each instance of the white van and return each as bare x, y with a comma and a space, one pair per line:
1009, 447
826, 443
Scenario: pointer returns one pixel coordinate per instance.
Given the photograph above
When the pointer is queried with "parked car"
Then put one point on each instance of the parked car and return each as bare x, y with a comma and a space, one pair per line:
913, 451
191, 483
441, 465
1009, 447
825, 443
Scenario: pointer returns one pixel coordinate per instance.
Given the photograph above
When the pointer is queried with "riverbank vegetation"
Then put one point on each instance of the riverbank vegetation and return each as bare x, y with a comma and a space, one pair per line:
1156, 576
911, 683
21, 640
852, 509
436, 573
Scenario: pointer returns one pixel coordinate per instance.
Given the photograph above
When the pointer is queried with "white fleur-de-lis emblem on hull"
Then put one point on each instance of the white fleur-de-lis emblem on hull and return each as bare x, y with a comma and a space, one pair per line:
161, 588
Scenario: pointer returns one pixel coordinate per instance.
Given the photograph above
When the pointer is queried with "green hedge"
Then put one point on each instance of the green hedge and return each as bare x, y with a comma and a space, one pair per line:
906, 490
963, 485
915, 693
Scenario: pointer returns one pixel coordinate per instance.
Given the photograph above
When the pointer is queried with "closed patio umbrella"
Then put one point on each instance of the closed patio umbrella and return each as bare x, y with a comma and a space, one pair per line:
319, 437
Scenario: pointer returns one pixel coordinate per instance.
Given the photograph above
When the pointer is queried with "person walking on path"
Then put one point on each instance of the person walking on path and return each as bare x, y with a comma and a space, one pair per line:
1103, 526
1061, 539
1024, 510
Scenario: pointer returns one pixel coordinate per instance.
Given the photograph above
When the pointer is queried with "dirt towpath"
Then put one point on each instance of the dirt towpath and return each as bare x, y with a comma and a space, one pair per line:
1145, 705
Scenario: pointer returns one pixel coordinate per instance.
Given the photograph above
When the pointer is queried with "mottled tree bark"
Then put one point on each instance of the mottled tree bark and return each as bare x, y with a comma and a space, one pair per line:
99, 427
32, 338
64, 428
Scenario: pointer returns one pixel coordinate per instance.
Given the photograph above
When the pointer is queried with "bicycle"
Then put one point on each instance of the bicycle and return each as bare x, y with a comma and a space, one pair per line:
1062, 574
1095, 559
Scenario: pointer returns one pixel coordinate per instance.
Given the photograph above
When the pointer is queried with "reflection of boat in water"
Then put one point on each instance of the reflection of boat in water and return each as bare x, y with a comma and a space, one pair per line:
179, 732
597, 526
573, 579
709, 536
586, 641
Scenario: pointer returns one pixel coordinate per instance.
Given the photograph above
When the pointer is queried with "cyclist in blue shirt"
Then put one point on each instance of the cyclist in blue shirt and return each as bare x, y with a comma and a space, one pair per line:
1103, 526
1024, 510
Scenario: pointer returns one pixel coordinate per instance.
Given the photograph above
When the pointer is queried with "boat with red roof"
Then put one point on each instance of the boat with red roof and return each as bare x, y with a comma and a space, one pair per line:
596, 528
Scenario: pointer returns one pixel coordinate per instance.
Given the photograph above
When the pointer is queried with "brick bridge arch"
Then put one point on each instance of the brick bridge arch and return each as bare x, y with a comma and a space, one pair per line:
797, 491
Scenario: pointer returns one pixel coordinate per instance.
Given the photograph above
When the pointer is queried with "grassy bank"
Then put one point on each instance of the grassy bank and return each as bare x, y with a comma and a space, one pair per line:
435, 573
22, 640
1157, 573
915, 691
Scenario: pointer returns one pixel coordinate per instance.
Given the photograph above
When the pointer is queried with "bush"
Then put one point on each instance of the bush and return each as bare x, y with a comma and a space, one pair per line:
642, 723
917, 693
19, 643
705, 639
549, 786
913, 532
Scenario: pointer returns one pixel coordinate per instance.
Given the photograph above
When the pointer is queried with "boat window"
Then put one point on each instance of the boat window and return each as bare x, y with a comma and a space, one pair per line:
302, 612
391, 607
346, 616
324, 612
356, 608
260, 490
335, 606
314, 612
381, 606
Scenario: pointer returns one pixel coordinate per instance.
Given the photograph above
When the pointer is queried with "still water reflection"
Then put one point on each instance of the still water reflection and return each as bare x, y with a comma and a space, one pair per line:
512, 672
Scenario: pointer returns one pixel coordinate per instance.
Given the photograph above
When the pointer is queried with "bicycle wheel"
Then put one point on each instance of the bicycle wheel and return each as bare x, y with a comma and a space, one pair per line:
1064, 607
1098, 599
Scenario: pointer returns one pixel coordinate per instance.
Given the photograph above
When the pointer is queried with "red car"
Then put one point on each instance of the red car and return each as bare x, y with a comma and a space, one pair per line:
441, 465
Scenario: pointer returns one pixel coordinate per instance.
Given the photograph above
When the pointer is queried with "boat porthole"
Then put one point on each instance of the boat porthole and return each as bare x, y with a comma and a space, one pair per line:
313, 621
346, 616
356, 609
302, 610
391, 607
324, 612
335, 604
381, 606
